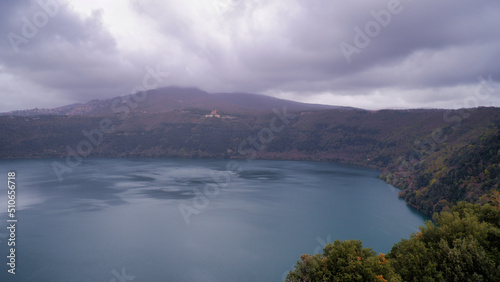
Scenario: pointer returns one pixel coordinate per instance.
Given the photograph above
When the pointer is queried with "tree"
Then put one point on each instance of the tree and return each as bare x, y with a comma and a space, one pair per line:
462, 244
343, 261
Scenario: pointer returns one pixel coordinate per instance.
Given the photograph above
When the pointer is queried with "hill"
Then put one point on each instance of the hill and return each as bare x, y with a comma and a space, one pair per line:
266, 103
173, 98
437, 157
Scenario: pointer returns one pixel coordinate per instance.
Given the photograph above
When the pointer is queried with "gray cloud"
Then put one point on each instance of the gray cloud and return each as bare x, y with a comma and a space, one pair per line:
72, 56
429, 54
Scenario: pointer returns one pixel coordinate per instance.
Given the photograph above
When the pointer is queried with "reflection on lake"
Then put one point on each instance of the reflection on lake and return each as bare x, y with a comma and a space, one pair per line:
114, 216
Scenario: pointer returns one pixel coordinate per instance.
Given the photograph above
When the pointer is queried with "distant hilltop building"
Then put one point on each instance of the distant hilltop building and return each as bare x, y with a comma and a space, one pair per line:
213, 114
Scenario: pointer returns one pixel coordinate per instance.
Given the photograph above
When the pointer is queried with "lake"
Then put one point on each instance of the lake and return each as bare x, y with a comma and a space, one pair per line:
191, 220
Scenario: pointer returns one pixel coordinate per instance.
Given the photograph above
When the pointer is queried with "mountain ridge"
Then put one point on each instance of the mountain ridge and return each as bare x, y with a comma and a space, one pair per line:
437, 157
176, 98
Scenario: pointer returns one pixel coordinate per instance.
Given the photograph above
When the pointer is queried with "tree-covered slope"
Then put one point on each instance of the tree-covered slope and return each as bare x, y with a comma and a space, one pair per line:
438, 157
463, 245
463, 166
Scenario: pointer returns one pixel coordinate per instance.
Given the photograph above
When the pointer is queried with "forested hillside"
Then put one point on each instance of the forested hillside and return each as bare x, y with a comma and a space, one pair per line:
463, 246
467, 173
438, 157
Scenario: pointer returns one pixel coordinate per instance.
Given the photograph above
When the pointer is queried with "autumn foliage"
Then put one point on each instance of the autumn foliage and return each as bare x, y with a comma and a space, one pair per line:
462, 244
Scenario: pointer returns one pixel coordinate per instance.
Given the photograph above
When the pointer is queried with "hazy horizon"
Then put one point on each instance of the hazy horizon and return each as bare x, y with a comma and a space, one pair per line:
377, 55
374, 109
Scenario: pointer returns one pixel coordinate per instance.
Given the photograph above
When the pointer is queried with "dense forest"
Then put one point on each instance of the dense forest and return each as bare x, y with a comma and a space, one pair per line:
462, 245
437, 157
448, 176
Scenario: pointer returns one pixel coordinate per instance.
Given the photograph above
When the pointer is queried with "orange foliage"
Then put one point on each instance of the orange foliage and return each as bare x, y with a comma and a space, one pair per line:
419, 235
324, 263
382, 259
494, 198
305, 257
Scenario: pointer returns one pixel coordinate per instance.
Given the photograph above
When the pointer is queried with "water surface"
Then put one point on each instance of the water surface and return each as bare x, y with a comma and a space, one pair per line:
112, 219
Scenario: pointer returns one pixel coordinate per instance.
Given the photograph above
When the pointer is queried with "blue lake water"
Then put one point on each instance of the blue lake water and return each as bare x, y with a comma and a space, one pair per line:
191, 220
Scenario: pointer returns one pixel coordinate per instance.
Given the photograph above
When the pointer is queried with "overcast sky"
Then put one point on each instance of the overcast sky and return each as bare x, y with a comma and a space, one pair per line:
368, 54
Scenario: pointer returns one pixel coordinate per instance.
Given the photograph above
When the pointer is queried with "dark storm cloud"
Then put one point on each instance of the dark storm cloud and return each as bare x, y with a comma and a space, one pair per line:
428, 53
58, 50
426, 44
